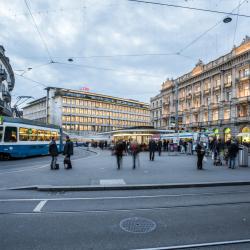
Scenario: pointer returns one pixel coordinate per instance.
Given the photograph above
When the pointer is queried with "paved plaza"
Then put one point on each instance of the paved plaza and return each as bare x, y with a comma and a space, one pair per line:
97, 167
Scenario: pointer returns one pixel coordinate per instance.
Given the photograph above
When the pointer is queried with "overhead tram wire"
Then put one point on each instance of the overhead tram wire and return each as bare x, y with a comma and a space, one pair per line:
189, 8
38, 31
108, 69
236, 24
31, 80
206, 31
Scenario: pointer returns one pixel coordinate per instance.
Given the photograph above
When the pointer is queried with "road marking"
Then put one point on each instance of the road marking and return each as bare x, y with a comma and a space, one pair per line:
120, 197
39, 207
23, 170
218, 243
112, 182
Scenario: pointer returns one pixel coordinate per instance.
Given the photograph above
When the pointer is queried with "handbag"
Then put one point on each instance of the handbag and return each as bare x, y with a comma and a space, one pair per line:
67, 162
205, 159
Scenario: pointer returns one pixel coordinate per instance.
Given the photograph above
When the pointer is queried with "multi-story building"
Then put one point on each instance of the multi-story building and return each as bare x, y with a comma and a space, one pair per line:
85, 112
7, 82
213, 96
156, 111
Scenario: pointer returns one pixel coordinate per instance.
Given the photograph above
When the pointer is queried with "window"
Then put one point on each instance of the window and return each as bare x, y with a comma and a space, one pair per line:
227, 96
47, 135
41, 135
227, 114
10, 134
215, 115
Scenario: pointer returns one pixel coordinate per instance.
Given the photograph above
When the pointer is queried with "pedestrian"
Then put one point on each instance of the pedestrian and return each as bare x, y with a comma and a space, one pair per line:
53, 151
119, 147
68, 150
232, 153
200, 155
164, 145
152, 148
159, 147
135, 149
185, 146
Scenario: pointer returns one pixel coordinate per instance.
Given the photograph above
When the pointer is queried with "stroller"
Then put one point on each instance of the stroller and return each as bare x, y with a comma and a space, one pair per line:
217, 159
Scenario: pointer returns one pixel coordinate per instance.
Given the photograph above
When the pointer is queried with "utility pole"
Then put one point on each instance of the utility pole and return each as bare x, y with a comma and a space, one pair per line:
176, 106
47, 106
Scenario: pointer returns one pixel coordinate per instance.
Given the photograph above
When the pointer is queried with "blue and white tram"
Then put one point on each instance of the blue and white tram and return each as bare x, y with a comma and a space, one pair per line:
21, 138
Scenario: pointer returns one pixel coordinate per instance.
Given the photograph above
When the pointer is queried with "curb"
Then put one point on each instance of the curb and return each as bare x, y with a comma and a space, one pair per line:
129, 187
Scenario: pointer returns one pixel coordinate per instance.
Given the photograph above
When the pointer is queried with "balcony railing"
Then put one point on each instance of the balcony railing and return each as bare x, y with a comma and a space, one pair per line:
243, 118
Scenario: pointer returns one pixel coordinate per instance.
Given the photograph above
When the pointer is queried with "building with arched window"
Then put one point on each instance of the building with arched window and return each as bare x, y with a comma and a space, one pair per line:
7, 82
211, 97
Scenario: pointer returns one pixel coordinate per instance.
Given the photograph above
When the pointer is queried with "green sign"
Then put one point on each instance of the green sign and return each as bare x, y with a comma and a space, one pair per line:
30, 131
1, 120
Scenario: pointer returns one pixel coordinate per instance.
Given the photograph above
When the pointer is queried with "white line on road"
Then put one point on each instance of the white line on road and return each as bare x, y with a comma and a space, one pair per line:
218, 243
24, 169
39, 207
121, 197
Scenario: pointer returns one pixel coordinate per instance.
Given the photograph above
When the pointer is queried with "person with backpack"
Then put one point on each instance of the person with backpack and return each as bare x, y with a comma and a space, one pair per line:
53, 151
68, 150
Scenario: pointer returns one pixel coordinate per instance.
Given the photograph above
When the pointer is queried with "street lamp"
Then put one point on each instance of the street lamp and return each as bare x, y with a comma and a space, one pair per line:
227, 19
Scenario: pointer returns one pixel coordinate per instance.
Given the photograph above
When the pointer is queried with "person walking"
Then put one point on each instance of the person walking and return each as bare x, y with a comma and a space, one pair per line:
200, 155
134, 147
68, 150
232, 153
165, 145
53, 151
119, 147
159, 147
152, 148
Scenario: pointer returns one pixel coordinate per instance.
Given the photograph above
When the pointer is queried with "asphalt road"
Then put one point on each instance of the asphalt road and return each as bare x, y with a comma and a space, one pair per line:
139, 219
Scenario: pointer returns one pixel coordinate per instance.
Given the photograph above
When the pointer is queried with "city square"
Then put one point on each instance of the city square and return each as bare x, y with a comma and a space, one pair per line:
124, 125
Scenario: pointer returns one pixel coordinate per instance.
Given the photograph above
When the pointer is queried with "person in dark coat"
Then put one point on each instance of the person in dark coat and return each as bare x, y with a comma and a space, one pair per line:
68, 150
200, 155
164, 145
135, 149
232, 153
159, 147
53, 151
119, 148
152, 148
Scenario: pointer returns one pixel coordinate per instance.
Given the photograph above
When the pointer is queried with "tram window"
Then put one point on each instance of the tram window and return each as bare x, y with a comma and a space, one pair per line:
47, 135
1, 133
55, 135
41, 135
33, 134
10, 134
23, 134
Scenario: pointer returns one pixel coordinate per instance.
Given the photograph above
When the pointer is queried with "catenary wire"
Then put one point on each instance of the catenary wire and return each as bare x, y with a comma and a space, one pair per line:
189, 8
38, 31
209, 29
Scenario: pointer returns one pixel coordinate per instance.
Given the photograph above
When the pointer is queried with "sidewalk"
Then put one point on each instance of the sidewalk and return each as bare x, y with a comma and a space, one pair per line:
100, 169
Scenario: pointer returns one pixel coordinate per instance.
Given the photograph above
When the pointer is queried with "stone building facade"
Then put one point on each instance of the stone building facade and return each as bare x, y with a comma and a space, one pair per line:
212, 97
7, 82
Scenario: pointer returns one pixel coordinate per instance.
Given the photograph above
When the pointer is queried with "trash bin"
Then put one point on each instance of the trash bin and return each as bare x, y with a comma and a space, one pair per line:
243, 156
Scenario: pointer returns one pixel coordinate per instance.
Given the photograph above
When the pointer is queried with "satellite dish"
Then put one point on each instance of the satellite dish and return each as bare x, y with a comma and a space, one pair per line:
227, 19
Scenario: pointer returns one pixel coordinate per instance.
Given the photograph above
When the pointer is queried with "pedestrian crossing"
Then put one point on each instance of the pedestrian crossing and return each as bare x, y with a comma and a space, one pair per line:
112, 182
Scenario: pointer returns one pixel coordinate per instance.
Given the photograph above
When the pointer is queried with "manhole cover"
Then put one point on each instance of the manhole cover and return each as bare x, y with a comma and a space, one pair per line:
137, 225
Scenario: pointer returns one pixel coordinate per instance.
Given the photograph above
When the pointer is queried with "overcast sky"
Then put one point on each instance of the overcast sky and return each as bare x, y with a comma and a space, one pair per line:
96, 33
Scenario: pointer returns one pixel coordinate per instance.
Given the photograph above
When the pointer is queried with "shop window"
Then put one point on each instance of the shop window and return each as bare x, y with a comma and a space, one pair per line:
10, 134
